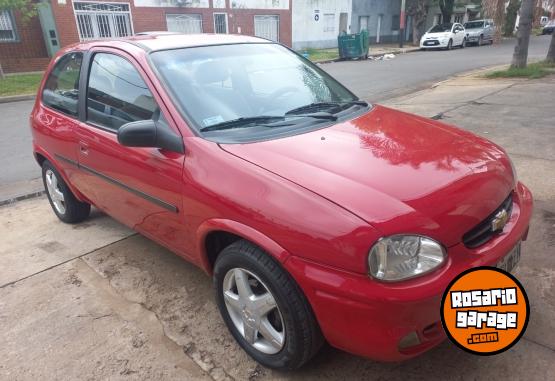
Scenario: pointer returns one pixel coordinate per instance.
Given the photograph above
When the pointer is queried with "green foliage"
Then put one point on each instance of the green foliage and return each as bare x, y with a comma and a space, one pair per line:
26, 8
532, 71
510, 18
21, 84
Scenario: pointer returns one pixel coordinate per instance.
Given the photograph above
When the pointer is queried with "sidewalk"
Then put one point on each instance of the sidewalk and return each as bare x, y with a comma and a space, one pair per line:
95, 301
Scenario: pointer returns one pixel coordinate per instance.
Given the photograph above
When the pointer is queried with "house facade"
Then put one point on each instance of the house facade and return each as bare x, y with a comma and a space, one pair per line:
462, 12
381, 18
317, 23
27, 47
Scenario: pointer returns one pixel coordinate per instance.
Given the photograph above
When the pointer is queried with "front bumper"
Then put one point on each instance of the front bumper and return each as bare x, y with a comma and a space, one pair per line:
440, 44
370, 318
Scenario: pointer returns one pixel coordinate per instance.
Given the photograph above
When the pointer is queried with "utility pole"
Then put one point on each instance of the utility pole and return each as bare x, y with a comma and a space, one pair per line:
402, 24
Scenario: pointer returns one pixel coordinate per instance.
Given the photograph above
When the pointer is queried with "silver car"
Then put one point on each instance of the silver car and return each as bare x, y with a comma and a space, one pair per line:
479, 32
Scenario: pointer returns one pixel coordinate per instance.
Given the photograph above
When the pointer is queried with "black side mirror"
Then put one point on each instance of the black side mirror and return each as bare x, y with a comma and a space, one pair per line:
150, 133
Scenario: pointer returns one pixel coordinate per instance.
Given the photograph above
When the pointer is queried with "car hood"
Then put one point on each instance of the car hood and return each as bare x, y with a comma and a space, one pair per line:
399, 172
474, 30
436, 35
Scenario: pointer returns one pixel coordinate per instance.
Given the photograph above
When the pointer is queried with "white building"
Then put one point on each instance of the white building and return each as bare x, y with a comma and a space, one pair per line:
317, 23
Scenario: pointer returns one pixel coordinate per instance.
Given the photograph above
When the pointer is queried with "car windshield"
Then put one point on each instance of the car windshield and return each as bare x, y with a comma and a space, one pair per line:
474, 25
240, 86
441, 28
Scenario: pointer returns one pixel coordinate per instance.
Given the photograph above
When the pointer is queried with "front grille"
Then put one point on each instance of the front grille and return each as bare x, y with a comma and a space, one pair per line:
483, 232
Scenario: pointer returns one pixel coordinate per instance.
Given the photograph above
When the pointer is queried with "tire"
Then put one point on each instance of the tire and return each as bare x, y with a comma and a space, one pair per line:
293, 322
63, 202
450, 45
481, 40
463, 43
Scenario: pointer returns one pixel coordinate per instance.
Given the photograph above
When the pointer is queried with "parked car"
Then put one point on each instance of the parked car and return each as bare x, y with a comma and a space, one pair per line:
318, 215
444, 36
549, 27
480, 32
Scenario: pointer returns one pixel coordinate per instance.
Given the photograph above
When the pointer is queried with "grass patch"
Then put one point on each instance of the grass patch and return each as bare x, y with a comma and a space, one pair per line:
20, 84
532, 71
316, 55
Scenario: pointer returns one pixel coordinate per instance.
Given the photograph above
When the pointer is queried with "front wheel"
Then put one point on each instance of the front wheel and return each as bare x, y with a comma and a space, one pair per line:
450, 45
463, 44
66, 207
264, 308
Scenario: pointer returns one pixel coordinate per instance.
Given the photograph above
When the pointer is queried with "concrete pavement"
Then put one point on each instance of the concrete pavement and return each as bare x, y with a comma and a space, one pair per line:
96, 301
371, 80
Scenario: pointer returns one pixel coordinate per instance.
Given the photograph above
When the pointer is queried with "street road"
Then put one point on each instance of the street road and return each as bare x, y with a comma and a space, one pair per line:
370, 80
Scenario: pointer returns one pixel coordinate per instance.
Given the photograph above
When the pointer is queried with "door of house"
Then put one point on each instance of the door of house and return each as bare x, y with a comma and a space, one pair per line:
267, 27
220, 23
379, 29
343, 22
363, 23
184, 23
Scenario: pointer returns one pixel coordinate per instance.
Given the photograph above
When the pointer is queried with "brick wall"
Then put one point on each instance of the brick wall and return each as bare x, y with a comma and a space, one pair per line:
28, 53
154, 19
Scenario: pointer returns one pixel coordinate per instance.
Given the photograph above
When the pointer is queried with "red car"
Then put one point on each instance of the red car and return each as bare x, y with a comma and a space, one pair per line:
319, 216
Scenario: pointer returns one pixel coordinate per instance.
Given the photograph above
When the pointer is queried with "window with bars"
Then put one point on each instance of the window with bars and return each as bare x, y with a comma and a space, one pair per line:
184, 23
267, 27
7, 27
102, 20
220, 23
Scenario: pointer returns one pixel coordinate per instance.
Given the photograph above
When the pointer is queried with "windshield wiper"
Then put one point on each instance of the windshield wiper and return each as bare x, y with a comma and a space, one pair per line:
260, 120
320, 106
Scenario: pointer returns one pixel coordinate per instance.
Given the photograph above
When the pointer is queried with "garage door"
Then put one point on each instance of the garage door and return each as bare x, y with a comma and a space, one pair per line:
184, 23
267, 27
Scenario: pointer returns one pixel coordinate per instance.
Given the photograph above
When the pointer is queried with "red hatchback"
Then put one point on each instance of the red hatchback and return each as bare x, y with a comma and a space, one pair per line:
318, 215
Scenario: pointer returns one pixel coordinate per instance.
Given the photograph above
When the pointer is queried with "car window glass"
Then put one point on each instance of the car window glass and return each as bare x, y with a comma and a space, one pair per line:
61, 89
116, 93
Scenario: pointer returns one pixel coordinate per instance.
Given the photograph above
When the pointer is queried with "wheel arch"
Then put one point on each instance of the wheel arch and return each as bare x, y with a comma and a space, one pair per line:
41, 156
215, 234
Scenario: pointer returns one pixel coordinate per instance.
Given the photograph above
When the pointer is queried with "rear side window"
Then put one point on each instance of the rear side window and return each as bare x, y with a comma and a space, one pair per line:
61, 90
116, 93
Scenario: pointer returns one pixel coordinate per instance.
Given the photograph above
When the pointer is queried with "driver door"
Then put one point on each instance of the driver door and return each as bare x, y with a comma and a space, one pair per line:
140, 187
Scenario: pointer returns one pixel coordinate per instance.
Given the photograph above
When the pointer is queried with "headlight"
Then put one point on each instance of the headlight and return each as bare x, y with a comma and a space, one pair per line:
404, 256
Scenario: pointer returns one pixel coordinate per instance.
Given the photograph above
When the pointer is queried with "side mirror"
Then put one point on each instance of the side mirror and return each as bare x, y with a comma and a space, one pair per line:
150, 133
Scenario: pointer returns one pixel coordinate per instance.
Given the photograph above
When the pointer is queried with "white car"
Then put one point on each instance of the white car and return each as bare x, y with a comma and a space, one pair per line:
444, 36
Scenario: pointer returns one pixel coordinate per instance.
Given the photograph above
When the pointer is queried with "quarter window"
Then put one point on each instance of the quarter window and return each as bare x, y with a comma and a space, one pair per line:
116, 93
61, 90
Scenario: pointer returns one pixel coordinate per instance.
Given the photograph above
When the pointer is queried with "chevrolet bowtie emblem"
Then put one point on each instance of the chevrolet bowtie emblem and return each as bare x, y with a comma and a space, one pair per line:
500, 220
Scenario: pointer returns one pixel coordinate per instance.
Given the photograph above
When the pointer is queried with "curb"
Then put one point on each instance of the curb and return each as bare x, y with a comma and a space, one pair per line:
17, 98
27, 196
409, 50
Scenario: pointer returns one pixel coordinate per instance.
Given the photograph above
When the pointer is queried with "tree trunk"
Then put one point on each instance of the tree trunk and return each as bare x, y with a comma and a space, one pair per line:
416, 33
2, 71
510, 18
551, 53
520, 55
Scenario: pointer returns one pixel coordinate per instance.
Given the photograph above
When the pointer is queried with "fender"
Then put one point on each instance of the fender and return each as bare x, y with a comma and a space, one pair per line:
239, 229
42, 152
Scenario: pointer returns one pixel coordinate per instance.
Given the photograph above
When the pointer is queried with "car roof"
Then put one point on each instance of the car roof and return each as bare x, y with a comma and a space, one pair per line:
163, 40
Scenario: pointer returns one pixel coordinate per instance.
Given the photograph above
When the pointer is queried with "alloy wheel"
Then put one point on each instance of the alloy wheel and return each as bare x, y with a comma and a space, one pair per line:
253, 311
54, 191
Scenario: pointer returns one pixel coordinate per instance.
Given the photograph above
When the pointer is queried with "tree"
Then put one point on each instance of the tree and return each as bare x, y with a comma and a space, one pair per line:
446, 8
551, 52
26, 9
510, 18
418, 10
520, 55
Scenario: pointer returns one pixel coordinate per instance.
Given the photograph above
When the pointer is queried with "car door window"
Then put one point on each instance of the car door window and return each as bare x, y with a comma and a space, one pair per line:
116, 93
61, 89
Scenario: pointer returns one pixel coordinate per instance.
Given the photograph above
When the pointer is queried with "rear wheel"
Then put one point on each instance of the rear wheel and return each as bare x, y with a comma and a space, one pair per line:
463, 44
63, 202
264, 308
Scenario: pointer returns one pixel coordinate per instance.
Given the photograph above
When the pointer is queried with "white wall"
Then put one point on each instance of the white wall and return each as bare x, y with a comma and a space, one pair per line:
310, 33
172, 3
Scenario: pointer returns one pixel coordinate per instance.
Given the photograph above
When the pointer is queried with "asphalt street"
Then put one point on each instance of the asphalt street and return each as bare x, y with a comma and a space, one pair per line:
371, 80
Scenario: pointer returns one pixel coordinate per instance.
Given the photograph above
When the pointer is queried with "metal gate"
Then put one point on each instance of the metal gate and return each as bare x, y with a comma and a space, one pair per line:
220, 22
184, 23
267, 27
102, 20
